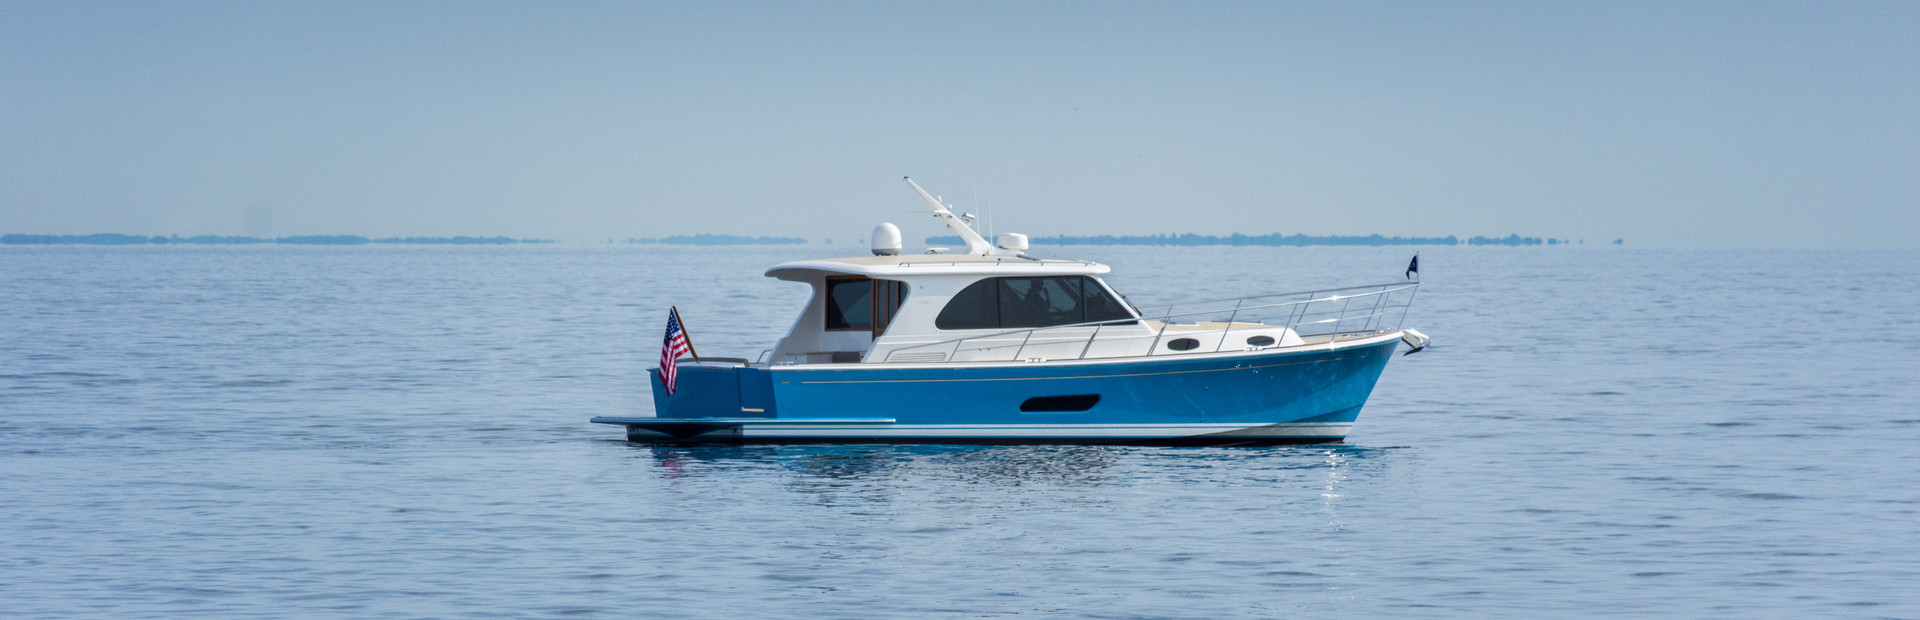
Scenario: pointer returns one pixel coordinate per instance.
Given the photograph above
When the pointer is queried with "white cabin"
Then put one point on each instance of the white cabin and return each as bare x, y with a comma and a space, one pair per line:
988, 304
900, 309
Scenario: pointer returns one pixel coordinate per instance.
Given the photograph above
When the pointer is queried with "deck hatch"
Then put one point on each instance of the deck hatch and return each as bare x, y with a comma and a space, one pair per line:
1050, 404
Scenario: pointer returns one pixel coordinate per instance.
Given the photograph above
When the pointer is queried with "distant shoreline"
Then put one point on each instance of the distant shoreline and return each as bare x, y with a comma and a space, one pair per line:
712, 239
1275, 239
115, 239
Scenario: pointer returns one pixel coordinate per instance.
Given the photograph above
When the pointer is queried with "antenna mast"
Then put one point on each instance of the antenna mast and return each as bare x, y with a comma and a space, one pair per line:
975, 244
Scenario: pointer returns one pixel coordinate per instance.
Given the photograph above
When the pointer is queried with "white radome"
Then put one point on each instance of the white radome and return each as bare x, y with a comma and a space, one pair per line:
886, 239
1013, 241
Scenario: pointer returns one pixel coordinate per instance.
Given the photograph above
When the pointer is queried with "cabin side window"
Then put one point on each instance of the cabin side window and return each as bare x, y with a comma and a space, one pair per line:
849, 303
854, 303
1101, 306
976, 307
1040, 302
1012, 303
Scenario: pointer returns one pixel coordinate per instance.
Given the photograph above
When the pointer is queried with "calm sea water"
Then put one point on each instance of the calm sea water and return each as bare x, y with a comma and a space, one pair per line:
394, 431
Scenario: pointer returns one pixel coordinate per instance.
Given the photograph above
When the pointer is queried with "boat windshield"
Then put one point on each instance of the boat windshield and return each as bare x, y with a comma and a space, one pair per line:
1016, 302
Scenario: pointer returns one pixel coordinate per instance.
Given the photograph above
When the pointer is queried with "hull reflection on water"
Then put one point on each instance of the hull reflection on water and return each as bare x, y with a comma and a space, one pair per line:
1055, 465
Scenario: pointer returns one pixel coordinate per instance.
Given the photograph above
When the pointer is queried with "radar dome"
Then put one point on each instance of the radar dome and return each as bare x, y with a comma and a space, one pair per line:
1013, 241
886, 239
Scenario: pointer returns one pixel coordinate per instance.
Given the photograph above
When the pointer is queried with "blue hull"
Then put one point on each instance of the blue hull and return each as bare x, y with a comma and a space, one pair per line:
1261, 397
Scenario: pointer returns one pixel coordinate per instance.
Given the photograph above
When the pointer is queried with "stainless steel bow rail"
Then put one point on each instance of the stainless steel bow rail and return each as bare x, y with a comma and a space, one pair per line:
1317, 317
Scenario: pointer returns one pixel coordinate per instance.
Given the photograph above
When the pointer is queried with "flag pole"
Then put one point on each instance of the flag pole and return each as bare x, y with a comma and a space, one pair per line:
684, 332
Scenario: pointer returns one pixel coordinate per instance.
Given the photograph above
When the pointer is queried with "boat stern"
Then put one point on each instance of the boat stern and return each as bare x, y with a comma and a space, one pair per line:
714, 390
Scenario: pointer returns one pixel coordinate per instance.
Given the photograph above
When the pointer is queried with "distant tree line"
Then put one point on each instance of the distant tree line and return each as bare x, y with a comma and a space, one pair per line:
1514, 240
112, 239
706, 239
1274, 239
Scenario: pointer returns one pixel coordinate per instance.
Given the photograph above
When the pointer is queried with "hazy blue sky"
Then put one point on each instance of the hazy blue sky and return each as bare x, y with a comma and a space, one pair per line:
1691, 124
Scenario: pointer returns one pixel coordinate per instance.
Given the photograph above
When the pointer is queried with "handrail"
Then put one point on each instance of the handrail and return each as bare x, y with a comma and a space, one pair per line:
1162, 317
1403, 285
1301, 313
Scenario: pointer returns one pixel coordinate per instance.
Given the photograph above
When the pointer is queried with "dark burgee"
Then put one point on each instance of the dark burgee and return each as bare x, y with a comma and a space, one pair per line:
1413, 267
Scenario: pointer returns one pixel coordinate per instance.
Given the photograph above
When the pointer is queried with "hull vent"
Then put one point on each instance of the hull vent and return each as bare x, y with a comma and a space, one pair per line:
1046, 404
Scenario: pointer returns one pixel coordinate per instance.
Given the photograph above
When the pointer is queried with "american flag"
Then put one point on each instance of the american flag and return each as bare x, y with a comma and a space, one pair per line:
670, 349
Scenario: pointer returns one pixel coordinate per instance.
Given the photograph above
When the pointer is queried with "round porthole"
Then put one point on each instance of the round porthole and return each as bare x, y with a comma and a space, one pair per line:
1260, 341
1183, 344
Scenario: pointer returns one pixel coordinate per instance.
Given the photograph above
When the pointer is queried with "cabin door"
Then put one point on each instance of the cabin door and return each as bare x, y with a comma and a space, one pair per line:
887, 297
